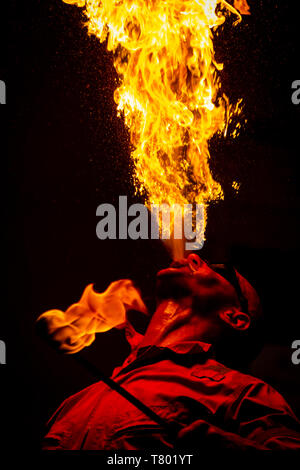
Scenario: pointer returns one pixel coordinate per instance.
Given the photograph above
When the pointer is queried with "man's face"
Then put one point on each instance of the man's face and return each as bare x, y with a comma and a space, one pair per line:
192, 278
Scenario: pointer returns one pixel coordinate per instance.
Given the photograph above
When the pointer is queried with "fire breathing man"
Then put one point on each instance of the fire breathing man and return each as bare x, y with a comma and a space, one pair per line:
174, 371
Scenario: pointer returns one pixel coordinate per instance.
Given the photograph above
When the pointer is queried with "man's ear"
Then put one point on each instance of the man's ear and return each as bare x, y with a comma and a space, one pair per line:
236, 319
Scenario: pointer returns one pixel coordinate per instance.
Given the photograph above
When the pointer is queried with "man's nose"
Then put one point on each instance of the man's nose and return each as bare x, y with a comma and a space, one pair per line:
194, 262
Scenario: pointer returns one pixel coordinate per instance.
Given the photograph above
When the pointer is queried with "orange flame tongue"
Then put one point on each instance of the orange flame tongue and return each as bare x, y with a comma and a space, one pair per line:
75, 328
170, 91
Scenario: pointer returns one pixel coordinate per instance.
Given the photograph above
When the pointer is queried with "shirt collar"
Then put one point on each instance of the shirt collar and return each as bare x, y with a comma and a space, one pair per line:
181, 347
190, 347
184, 349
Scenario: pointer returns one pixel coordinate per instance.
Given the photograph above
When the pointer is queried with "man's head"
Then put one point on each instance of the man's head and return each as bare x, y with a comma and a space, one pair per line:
226, 300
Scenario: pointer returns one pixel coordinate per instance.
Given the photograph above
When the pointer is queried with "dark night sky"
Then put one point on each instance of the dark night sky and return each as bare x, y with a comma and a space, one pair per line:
68, 153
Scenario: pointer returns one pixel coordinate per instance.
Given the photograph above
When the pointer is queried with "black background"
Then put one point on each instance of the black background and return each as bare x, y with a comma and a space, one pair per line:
67, 153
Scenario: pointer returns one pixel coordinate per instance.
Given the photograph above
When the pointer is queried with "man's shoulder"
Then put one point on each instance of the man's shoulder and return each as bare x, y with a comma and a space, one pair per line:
223, 371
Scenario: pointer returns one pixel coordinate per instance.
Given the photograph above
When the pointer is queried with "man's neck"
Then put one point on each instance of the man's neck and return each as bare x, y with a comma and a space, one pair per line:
175, 322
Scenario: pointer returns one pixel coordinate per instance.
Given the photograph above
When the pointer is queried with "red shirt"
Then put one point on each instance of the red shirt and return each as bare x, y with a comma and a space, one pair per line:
184, 385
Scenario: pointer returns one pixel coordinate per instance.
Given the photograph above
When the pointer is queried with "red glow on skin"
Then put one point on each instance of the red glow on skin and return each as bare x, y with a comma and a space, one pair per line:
172, 372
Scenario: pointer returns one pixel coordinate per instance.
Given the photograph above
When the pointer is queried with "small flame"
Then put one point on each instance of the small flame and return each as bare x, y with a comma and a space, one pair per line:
170, 92
75, 328
242, 6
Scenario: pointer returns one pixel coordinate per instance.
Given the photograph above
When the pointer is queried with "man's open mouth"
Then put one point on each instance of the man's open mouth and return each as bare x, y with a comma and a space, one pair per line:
176, 269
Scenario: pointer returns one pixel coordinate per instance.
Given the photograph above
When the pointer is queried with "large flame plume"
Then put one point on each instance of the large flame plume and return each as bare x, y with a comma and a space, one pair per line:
170, 92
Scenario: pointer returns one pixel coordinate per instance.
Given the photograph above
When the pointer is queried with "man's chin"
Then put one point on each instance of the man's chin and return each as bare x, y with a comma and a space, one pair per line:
172, 283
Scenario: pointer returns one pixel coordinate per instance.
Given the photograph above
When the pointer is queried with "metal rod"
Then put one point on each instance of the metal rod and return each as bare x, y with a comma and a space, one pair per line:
172, 429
